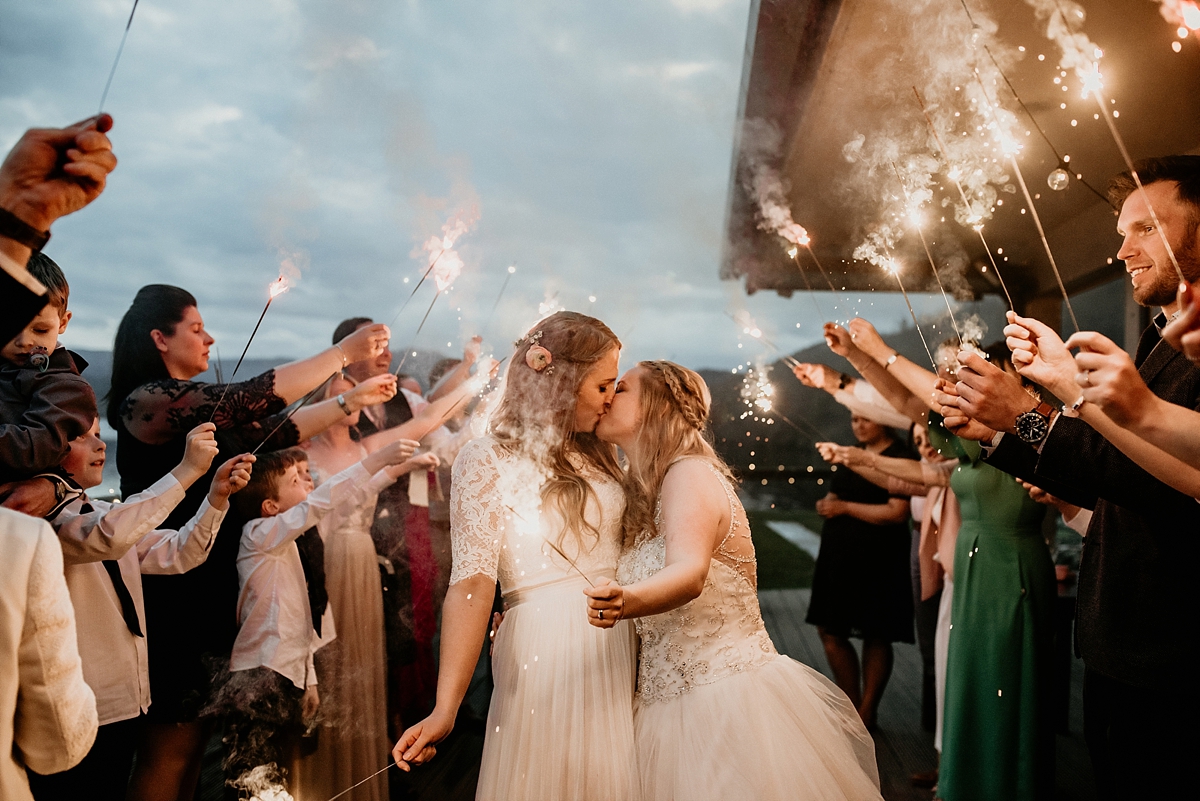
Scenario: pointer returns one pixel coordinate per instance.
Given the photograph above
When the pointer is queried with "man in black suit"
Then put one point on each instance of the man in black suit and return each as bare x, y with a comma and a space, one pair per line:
1137, 613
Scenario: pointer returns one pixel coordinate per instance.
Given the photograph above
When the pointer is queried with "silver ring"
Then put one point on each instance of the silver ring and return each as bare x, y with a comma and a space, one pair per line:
1085, 379
601, 614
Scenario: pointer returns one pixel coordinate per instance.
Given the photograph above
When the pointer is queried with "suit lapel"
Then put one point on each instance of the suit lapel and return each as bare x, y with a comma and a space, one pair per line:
1162, 355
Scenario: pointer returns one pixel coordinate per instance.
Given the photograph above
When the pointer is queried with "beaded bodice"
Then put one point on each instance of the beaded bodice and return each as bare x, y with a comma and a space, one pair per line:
714, 636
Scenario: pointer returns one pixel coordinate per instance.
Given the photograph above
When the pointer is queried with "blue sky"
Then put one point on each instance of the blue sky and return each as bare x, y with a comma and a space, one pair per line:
594, 138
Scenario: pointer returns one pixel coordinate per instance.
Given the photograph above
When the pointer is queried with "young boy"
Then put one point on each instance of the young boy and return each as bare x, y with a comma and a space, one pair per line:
272, 686
44, 403
106, 549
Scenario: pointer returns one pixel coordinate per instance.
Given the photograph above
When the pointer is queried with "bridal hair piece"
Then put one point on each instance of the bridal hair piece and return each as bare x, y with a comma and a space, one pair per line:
535, 417
674, 407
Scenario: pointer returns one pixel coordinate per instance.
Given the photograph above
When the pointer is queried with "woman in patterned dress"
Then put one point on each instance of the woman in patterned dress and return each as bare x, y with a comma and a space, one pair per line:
719, 713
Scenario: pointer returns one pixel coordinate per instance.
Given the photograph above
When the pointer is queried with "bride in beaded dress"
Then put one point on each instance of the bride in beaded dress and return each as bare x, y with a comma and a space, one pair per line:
719, 714
537, 503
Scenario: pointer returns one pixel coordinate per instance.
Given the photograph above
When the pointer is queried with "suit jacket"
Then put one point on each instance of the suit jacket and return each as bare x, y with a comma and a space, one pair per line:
1136, 618
47, 712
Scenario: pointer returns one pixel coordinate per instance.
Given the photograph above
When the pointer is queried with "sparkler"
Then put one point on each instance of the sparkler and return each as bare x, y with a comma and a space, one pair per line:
975, 220
117, 60
758, 392
793, 252
893, 269
444, 267
756, 332
303, 402
916, 221
362, 781
1010, 148
277, 288
557, 550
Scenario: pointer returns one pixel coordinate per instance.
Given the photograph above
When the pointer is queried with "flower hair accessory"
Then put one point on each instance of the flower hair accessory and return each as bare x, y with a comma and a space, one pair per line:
538, 359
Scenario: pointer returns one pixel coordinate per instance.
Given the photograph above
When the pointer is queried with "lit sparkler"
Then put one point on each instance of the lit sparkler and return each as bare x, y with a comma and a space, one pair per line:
117, 60
287, 273
445, 265
758, 394
753, 331
303, 402
893, 269
974, 219
914, 215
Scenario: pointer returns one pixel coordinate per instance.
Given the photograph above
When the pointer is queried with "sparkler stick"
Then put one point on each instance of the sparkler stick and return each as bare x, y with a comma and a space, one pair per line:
816, 261
1037, 220
117, 60
557, 550
363, 781
895, 271
303, 402
929, 255
404, 305
972, 218
804, 277
409, 349
757, 333
277, 288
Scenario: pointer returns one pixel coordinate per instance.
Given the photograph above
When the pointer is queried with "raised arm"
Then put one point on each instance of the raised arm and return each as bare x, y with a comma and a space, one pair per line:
454, 379
917, 381
875, 373
435, 413
477, 521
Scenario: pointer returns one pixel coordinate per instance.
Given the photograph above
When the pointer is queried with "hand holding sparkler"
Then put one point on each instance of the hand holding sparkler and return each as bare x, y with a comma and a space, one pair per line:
374, 390
393, 454
231, 477
817, 376
834, 453
606, 599
989, 395
422, 461
365, 343
945, 403
1110, 379
868, 340
839, 340
52, 172
1183, 332
1039, 354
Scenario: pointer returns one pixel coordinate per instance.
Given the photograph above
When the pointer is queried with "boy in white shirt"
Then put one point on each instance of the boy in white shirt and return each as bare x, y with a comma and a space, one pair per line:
272, 684
106, 549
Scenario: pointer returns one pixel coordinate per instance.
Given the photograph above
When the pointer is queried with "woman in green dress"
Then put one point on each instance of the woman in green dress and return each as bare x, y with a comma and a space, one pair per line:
998, 740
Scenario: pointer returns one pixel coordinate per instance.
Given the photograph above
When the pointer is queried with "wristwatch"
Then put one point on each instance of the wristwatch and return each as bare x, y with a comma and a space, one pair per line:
1033, 426
346, 410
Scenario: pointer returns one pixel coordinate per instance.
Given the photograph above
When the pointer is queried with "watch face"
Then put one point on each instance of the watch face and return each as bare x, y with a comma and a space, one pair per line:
1032, 427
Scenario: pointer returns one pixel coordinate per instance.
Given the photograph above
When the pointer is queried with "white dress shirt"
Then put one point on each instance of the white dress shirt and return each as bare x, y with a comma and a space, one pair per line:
275, 628
47, 711
864, 400
114, 659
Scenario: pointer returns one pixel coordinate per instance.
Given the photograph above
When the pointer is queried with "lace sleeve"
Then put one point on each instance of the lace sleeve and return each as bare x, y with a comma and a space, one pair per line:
159, 410
477, 512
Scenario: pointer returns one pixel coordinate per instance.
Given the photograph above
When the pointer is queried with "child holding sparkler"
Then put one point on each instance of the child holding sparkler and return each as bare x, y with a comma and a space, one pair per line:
106, 549
719, 713
537, 503
44, 403
272, 682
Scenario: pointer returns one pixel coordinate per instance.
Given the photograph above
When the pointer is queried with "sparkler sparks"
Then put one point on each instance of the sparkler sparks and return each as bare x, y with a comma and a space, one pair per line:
758, 394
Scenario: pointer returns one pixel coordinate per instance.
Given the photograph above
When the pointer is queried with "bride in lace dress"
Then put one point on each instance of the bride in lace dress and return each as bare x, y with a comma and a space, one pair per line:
719, 713
537, 503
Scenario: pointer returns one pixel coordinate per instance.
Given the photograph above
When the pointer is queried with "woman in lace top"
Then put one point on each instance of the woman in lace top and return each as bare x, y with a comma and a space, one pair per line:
537, 503
719, 713
160, 347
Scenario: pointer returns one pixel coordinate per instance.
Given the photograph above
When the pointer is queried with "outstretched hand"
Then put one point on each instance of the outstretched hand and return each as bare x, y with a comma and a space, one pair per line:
1109, 378
198, 453
839, 341
418, 744
989, 395
1040, 355
868, 340
816, 375
376, 389
956, 421
365, 343
231, 477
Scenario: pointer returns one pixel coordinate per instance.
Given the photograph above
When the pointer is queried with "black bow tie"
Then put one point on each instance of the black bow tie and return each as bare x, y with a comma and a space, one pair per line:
113, 568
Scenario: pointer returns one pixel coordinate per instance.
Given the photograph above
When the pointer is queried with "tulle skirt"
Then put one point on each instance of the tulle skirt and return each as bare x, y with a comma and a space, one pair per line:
778, 731
560, 726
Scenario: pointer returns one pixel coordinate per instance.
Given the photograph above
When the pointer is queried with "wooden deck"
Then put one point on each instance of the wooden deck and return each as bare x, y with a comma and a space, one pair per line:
901, 746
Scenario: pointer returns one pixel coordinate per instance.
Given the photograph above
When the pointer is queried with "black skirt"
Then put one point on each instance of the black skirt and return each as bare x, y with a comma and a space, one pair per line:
861, 585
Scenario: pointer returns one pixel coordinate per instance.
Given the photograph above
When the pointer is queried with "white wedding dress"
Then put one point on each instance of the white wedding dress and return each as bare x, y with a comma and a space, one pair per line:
560, 726
719, 713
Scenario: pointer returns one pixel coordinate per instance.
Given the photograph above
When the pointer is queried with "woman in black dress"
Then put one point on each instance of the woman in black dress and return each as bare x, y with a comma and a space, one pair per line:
191, 619
861, 587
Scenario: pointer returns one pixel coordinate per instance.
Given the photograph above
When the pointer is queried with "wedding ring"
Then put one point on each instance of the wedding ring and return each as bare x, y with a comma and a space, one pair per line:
1084, 379
601, 614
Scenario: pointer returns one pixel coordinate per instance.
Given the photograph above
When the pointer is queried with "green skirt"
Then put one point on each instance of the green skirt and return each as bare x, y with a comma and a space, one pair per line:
998, 738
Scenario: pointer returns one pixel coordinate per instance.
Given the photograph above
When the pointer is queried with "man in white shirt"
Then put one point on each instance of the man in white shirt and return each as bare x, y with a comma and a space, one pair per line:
106, 549
272, 683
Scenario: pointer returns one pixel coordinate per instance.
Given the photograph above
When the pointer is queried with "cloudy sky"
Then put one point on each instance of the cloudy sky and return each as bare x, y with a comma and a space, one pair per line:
593, 137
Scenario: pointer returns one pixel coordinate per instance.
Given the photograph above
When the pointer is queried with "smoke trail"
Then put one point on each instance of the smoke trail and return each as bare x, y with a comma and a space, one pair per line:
761, 141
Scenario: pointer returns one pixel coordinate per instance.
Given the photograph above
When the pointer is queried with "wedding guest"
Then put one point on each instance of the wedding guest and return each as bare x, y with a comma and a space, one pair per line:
1136, 616
44, 403
352, 739
107, 548
861, 586
998, 728
160, 347
272, 683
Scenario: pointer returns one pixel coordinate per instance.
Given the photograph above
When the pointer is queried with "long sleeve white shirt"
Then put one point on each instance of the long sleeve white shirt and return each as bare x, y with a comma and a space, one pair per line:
864, 400
275, 628
114, 659
47, 711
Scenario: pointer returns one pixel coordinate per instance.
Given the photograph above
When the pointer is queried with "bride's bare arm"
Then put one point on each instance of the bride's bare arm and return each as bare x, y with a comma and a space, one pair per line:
464, 625
694, 511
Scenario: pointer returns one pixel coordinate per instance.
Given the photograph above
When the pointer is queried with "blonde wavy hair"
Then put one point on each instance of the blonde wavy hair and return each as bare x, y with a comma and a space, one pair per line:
536, 414
674, 407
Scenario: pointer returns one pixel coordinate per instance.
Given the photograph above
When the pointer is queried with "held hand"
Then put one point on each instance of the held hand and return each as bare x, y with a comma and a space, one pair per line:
471, 351
423, 461
52, 172
989, 395
200, 450
1110, 380
1040, 355
310, 702
417, 745
34, 497
377, 389
365, 343
839, 341
394, 453
816, 375
232, 476
946, 403
1183, 333
868, 340
606, 603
